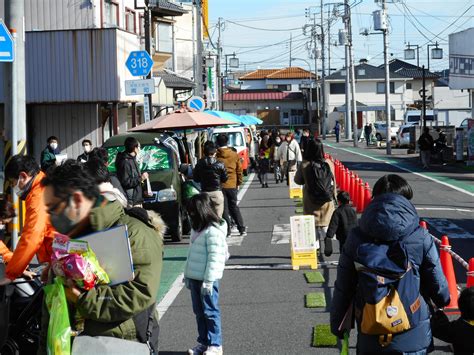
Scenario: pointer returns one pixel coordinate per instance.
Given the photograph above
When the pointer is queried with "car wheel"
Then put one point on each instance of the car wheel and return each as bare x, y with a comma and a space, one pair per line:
378, 136
177, 233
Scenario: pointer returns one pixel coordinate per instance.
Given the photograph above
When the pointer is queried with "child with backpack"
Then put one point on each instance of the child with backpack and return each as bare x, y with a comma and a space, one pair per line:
389, 270
459, 332
343, 220
204, 268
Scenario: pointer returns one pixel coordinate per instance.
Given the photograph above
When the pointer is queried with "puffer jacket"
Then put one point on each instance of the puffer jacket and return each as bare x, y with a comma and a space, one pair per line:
207, 254
231, 161
129, 175
210, 173
390, 218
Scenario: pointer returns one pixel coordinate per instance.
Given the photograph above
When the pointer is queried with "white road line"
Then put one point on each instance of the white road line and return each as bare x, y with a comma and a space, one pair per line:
444, 209
406, 169
281, 234
178, 284
446, 227
260, 267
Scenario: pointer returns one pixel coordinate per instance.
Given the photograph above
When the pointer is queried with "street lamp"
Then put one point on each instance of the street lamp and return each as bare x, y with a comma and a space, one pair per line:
436, 53
310, 88
409, 53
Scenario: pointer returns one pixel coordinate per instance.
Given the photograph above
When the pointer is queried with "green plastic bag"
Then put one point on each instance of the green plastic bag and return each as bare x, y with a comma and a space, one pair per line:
190, 189
59, 328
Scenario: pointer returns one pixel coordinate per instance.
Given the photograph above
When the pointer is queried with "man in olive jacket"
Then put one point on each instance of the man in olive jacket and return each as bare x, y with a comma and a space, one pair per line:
76, 209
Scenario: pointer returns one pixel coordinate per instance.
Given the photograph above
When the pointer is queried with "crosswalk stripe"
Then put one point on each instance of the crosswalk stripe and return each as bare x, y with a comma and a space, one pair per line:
281, 234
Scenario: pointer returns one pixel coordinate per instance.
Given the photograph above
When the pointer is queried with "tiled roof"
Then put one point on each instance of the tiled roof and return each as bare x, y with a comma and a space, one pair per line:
285, 73
167, 8
409, 70
173, 80
247, 95
370, 73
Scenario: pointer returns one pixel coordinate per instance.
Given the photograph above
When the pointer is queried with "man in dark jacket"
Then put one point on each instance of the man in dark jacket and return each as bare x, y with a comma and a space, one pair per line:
426, 143
128, 172
231, 161
343, 220
76, 209
87, 147
390, 218
211, 173
48, 155
367, 133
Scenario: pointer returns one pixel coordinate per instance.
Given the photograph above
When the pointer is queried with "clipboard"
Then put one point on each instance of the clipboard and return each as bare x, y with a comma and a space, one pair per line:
112, 248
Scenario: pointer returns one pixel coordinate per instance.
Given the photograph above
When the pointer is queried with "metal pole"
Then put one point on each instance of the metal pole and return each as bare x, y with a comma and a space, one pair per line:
424, 97
199, 49
428, 55
15, 199
220, 81
353, 93
324, 76
347, 121
316, 67
387, 83
329, 42
310, 117
147, 15
418, 56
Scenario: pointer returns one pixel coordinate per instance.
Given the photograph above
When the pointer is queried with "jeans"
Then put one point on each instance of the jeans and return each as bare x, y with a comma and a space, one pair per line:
208, 314
231, 210
425, 158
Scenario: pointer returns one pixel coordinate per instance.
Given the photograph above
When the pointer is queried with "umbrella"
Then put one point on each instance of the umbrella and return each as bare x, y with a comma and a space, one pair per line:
181, 121
249, 120
225, 115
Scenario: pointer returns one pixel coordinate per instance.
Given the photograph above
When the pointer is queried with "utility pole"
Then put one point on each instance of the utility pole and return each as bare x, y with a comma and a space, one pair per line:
424, 96
329, 41
347, 122
315, 38
387, 78
199, 49
352, 70
220, 78
291, 51
147, 18
324, 76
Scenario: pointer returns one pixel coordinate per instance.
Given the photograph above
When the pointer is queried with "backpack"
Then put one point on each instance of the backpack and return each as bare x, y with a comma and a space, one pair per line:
388, 299
321, 185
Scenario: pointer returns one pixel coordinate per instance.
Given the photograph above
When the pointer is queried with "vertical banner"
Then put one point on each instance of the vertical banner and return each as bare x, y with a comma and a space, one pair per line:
205, 18
146, 109
470, 142
211, 85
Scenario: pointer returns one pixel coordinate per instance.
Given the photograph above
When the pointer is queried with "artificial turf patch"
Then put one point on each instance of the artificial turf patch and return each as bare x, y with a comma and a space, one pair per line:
314, 277
322, 336
299, 210
299, 203
315, 300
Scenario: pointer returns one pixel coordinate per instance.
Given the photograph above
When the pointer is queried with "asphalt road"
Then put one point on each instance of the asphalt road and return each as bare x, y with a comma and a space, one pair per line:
262, 301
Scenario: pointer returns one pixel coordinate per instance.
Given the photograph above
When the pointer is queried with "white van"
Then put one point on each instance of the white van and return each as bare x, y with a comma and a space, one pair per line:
414, 116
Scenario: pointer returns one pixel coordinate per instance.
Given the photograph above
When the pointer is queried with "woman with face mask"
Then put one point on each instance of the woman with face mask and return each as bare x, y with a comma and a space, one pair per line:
48, 155
87, 146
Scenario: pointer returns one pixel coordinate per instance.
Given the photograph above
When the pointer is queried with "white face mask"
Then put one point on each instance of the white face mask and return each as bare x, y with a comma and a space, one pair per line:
54, 146
17, 190
87, 148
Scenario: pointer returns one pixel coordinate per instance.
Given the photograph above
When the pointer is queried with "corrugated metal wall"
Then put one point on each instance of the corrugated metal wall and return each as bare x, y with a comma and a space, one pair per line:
72, 66
70, 123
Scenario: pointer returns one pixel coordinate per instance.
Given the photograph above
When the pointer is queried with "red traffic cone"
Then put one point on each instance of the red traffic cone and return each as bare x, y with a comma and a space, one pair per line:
448, 270
360, 197
470, 274
367, 195
355, 192
423, 225
344, 179
337, 170
351, 186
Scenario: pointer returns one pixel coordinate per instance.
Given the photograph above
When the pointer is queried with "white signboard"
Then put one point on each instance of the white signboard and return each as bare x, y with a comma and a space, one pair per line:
140, 87
146, 109
303, 234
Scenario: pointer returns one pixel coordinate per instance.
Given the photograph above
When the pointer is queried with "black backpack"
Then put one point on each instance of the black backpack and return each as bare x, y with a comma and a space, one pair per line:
321, 184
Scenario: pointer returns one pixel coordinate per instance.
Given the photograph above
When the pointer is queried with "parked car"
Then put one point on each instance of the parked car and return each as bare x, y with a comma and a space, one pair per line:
414, 116
381, 131
237, 139
160, 161
403, 135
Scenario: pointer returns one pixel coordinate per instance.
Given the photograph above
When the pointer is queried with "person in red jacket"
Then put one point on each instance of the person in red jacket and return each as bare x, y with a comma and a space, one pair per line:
23, 173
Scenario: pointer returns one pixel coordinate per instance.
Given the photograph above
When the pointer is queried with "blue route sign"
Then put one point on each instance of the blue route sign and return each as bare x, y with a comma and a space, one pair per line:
7, 53
139, 63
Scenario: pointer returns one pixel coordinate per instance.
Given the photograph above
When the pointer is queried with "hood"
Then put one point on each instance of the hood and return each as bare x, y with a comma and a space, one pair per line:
225, 153
222, 226
106, 216
389, 217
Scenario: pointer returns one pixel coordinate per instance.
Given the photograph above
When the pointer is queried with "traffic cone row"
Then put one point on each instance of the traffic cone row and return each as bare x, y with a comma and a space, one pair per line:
347, 180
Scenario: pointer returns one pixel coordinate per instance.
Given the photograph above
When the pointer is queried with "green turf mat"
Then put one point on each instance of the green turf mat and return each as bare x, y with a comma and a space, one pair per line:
322, 336
299, 210
314, 277
315, 300
299, 204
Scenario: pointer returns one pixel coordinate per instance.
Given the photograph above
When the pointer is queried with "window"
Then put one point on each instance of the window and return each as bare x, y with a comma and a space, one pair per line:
141, 25
285, 114
361, 72
236, 139
409, 87
279, 87
381, 88
130, 21
337, 89
111, 13
164, 38
154, 158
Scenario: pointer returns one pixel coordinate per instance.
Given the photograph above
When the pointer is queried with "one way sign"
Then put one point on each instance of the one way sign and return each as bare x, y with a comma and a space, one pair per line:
6, 44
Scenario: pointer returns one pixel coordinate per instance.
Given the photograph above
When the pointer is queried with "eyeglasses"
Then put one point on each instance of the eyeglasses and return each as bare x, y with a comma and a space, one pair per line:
53, 209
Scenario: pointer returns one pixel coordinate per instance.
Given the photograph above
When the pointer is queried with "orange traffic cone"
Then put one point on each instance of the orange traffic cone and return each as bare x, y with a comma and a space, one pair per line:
423, 225
360, 197
448, 270
470, 274
337, 170
352, 187
367, 195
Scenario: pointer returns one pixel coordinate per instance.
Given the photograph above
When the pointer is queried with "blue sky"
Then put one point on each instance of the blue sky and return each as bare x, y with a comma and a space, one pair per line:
418, 22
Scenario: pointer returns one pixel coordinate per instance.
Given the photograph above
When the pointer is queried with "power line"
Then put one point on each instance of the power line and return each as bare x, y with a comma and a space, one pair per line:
264, 29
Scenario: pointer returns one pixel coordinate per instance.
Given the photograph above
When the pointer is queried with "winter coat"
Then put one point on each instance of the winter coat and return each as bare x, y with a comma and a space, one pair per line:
322, 213
207, 254
84, 157
112, 194
129, 175
37, 235
459, 332
233, 165
425, 142
391, 218
343, 220
210, 173
48, 158
287, 152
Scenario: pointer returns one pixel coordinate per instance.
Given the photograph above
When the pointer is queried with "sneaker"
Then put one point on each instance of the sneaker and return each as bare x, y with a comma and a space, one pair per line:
234, 230
266, 185
243, 232
214, 350
199, 349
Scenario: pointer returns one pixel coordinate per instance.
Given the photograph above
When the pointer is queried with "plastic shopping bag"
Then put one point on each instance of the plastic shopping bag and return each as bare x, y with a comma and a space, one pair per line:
59, 329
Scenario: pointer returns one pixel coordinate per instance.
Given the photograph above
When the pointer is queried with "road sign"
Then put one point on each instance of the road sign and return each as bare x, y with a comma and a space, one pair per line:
196, 103
140, 87
139, 63
7, 53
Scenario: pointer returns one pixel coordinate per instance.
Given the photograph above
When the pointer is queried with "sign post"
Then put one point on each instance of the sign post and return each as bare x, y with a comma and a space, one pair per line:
139, 63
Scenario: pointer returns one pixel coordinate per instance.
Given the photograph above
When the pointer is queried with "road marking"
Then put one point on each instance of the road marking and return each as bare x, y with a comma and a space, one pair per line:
235, 241
244, 188
446, 227
170, 296
405, 169
444, 209
281, 234
260, 267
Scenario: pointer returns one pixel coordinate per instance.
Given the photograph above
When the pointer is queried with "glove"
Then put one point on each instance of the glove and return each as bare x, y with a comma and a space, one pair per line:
186, 283
327, 246
206, 288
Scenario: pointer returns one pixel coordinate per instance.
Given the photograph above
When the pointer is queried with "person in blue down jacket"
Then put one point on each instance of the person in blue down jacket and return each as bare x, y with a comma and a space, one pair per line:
391, 217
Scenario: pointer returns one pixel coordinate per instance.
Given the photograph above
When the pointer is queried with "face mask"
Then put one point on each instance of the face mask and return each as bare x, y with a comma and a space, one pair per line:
54, 146
61, 222
17, 190
87, 148
278, 141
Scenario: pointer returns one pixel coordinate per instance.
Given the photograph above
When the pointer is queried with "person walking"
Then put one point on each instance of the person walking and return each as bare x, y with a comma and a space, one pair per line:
48, 155
233, 166
129, 174
304, 139
87, 147
389, 271
275, 160
317, 175
441, 145
425, 143
203, 270
337, 130
289, 153
211, 174
367, 133
264, 160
